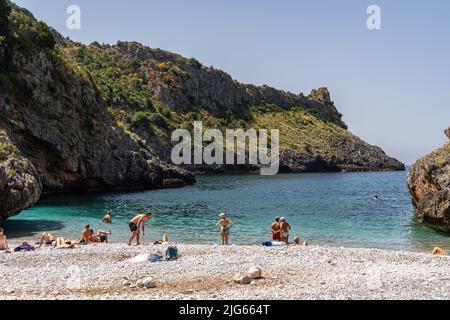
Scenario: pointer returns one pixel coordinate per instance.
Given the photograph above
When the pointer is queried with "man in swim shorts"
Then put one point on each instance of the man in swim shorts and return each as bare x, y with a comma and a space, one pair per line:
275, 228
136, 224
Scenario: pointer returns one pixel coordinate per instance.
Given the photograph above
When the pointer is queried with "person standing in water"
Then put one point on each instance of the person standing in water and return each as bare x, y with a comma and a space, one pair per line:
107, 218
136, 224
275, 228
224, 225
285, 228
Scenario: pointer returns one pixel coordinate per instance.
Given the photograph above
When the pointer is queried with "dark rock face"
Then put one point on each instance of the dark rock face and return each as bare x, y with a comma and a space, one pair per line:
429, 185
368, 158
67, 134
57, 135
20, 184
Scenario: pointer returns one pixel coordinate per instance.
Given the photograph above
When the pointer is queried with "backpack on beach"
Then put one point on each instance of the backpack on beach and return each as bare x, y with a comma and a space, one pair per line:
25, 246
172, 253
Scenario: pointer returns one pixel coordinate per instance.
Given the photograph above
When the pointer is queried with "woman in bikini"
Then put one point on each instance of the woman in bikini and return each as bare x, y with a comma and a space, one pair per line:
224, 225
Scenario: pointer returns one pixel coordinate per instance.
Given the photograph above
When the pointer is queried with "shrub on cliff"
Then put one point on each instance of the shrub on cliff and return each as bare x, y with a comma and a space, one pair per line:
44, 35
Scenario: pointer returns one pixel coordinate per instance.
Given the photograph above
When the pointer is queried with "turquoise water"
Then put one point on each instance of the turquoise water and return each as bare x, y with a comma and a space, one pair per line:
326, 208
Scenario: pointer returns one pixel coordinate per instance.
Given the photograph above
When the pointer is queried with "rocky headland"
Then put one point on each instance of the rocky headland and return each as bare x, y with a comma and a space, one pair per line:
429, 185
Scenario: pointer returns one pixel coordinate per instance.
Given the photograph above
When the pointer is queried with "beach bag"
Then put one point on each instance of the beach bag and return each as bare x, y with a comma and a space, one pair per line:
25, 246
267, 243
172, 253
155, 257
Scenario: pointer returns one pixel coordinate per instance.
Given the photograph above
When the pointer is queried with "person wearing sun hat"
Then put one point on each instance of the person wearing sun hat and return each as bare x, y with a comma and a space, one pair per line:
224, 226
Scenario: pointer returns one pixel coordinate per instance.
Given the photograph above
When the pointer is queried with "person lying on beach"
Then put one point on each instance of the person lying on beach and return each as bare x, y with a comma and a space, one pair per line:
297, 242
164, 239
284, 230
107, 218
441, 252
61, 243
46, 239
101, 235
276, 230
137, 223
3, 242
224, 225
88, 235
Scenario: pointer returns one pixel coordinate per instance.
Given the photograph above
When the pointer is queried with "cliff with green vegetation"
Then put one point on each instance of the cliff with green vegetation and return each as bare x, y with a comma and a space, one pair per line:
151, 92
54, 118
429, 185
100, 117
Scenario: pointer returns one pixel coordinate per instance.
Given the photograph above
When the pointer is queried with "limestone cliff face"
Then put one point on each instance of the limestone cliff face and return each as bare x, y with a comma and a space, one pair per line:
20, 184
58, 126
170, 91
67, 134
185, 84
429, 185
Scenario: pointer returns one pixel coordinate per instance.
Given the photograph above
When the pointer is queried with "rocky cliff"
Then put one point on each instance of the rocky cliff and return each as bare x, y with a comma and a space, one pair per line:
58, 124
429, 185
152, 92
100, 117
20, 184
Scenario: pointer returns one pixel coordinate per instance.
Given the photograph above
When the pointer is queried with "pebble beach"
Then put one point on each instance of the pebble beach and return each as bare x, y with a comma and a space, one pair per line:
206, 272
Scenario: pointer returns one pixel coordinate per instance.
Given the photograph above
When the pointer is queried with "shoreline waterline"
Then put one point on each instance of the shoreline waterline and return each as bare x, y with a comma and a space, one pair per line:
334, 209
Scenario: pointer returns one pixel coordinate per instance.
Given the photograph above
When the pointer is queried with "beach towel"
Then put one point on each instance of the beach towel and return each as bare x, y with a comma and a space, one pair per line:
139, 258
25, 246
155, 257
273, 244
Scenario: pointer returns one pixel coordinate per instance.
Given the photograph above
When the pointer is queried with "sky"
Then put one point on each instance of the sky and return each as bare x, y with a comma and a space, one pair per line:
391, 84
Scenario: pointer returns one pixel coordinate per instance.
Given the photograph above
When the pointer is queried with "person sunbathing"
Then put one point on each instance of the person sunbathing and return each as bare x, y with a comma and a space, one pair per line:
3, 242
46, 239
224, 225
61, 243
297, 242
88, 235
164, 239
441, 252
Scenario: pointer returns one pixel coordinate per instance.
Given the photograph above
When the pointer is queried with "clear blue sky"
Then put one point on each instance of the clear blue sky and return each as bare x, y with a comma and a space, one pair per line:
392, 85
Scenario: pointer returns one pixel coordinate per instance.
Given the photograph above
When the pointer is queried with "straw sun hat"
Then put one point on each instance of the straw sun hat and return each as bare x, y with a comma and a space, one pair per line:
222, 215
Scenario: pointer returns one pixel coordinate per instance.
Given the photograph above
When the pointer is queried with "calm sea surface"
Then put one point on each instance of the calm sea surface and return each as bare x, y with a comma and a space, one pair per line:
326, 208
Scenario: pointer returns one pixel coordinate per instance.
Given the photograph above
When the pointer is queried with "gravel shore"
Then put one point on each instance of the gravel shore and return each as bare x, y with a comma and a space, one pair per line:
206, 272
